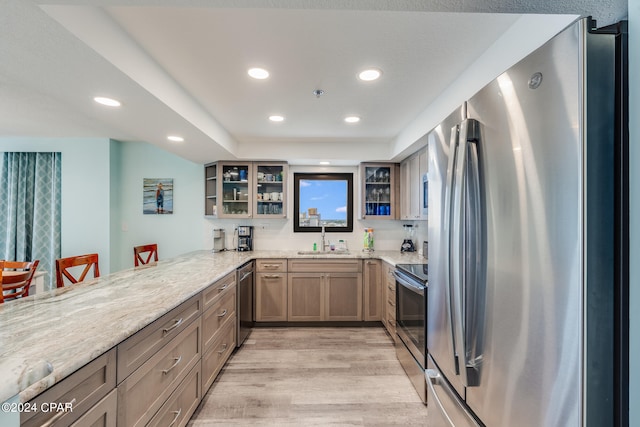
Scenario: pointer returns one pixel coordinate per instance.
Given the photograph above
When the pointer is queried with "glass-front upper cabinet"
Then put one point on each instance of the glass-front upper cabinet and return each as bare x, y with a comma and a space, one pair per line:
211, 189
270, 189
236, 189
379, 191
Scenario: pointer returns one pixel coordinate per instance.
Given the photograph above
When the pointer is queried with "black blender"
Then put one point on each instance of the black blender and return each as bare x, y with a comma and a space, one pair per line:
407, 244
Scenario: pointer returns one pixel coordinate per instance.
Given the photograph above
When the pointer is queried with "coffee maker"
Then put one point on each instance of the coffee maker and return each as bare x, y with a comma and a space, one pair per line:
245, 238
407, 244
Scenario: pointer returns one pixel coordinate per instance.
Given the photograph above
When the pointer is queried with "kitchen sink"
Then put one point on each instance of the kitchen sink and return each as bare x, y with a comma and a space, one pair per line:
323, 252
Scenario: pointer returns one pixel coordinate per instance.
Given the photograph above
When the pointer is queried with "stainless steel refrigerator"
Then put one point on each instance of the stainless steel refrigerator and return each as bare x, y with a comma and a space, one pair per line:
522, 232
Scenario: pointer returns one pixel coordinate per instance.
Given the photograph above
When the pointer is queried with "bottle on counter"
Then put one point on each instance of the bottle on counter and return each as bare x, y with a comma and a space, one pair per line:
368, 240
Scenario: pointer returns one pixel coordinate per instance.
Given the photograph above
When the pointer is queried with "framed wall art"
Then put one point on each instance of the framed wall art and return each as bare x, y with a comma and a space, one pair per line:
157, 196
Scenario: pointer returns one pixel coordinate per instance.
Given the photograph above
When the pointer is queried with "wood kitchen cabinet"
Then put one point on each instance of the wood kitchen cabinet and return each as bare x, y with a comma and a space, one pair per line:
324, 290
305, 297
379, 190
373, 290
412, 170
343, 296
236, 189
219, 322
84, 391
246, 189
271, 290
389, 300
211, 189
270, 189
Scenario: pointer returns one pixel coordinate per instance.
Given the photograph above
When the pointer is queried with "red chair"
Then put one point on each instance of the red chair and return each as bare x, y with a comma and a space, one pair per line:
64, 264
16, 278
142, 254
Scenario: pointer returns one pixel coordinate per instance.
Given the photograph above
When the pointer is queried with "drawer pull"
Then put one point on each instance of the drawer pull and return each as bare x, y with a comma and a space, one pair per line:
224, 347
390, 287
271, 276
175, 417
177, 361
270, 265
226, 285
59, 415
224, 313
176, 323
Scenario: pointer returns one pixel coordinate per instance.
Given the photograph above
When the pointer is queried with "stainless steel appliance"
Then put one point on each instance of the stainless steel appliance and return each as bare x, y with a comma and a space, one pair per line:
218, 240
245, 238
411, 322
522, 228
244, 301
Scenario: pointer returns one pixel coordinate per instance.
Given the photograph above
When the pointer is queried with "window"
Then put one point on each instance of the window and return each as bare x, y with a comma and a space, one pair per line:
323, 199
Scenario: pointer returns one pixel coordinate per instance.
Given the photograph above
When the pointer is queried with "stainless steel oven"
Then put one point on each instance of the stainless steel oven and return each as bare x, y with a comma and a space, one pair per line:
411, 322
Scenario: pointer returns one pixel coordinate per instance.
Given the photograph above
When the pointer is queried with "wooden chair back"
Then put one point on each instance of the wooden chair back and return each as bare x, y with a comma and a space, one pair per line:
143, 254
63, 265
16, 278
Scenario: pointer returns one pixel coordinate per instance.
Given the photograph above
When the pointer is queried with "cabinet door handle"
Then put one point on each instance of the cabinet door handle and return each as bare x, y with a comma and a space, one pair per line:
57, 416
177, 361
224, 313
224, 347
172, 327
176, 416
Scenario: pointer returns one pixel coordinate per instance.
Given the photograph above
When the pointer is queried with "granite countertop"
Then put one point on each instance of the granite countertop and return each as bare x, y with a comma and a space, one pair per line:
46, 337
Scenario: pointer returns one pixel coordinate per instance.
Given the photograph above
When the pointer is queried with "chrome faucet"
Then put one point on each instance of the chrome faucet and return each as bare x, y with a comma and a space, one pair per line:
324, 243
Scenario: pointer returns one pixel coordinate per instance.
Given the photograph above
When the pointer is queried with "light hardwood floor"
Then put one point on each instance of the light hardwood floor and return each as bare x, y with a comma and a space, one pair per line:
313, 376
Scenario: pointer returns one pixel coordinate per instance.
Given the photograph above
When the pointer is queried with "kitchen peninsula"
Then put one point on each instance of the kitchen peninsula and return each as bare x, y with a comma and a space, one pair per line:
45, 338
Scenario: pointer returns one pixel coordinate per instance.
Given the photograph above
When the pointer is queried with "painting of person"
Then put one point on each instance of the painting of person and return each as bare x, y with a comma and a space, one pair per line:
157, 196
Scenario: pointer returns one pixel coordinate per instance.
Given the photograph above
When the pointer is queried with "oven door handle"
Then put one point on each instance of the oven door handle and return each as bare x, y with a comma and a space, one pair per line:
411, 286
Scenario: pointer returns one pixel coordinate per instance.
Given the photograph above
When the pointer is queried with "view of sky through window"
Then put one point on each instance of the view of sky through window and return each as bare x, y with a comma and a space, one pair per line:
327, 197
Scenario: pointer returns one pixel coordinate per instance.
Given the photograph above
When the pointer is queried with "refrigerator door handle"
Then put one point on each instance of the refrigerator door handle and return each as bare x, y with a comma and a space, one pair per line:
457, 256
447, 232
466, 237
474, 291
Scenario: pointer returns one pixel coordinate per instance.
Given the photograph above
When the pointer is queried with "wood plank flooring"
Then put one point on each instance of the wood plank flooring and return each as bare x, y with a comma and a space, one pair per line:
313, 376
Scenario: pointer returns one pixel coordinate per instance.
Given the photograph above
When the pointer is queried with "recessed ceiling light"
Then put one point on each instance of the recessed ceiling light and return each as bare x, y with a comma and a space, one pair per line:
258, 73
325, 163
175, 138
370, 74
107, 101
276, 118
352, 119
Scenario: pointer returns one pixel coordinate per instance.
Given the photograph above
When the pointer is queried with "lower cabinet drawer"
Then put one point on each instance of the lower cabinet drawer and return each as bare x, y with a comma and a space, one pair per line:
178, 409
103, 414
137, 349
80, 391
216, 316
145, 390
214, 359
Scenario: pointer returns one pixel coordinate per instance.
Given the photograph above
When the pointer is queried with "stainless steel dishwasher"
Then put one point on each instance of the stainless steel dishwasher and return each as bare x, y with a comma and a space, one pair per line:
245, 312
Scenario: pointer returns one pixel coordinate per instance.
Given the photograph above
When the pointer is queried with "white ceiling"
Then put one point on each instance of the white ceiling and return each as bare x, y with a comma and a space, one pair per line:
179, 67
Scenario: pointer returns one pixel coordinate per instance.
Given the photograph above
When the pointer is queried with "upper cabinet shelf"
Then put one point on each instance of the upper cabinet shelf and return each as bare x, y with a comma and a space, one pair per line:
246, 189
378, 191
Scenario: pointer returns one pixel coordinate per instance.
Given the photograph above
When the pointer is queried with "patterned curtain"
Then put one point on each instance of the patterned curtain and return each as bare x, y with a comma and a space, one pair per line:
30, 209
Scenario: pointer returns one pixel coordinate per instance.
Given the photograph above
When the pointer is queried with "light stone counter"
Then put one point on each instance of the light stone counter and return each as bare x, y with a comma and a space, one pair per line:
46, 337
